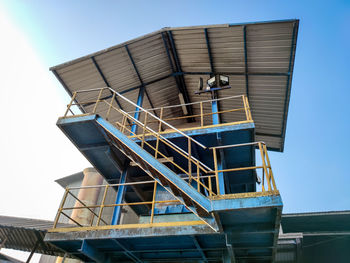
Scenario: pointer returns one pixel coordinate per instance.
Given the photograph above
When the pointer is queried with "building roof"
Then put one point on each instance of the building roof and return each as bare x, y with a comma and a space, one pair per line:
6, 258
258, 58
325, 235
23, 234
68, 180
330, 223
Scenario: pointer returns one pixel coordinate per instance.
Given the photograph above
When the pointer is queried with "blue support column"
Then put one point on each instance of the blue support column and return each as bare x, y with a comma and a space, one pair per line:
139, 103
119, 198
215, 108
216, 120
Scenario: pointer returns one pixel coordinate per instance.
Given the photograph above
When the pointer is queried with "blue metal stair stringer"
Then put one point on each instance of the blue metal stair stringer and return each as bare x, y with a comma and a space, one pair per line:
173, 183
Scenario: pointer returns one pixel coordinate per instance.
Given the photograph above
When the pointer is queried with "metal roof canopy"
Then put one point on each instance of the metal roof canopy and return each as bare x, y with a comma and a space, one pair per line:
27, 235
258, 57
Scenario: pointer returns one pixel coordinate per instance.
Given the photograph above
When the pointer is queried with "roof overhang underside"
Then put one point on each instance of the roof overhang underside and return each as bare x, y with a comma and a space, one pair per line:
258, 57
26, 234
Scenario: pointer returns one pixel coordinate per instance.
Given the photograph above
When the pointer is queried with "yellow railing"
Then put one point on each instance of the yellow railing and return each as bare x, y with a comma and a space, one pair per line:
149, 128
240, 113
96, 216
265, 167
148, 131
96, 211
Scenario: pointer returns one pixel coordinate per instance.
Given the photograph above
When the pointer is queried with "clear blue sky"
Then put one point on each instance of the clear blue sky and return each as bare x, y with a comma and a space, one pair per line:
313, 172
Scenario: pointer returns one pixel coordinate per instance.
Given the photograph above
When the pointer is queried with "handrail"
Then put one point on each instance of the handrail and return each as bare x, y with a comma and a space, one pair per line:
160, 120
109, 97
97, 218
170, 142
236, 145
191, 103
140, 108
266, 165
135, 121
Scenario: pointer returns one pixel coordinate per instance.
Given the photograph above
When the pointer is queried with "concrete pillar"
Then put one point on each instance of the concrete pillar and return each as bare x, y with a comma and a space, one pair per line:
88, 196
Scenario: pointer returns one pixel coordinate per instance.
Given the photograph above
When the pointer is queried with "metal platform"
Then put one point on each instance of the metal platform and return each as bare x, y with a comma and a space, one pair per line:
250, 230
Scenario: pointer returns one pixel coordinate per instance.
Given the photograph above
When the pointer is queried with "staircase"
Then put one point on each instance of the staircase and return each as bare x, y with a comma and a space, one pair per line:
135, 150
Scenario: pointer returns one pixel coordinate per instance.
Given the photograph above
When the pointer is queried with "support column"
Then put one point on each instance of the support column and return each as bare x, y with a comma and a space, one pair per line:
215, 108
216, 120
139, 103
119, 198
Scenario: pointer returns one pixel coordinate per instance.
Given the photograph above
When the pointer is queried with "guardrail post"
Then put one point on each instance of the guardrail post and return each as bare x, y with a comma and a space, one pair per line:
123, 123
198, 179
97, 101
153, 200
264, 166
70, 104
248, 110
216, 173
110, 106
157, 134
144, 130
60, 208
102, 205
270, 169
202, 117
245, 107
189, 161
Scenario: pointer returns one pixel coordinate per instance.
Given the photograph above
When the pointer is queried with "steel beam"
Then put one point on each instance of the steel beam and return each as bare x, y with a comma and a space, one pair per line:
198, 246
127, 252
33, 251
66, 88
230, 252
182, 86
178, 85
143, 86
94, 254
41, 242
245, 60
104, 79
3, 242
137, 110
147, 83
209, 50
232, 73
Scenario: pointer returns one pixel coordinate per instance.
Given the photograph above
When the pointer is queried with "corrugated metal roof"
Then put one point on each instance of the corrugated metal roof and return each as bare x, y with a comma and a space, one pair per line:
7, 259
317, 222
258, 57
23, 233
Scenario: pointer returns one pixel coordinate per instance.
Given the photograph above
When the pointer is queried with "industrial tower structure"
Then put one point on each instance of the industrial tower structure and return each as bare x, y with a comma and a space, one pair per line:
188, 171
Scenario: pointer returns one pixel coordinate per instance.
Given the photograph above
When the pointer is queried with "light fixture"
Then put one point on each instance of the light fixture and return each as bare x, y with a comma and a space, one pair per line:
224, 80
215, 83
212, 82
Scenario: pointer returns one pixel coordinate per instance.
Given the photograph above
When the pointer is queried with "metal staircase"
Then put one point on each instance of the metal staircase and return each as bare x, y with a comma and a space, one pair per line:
139, 149
173, 183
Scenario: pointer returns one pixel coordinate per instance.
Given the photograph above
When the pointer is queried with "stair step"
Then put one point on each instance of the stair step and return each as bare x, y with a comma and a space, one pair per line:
201, 212
161, 160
